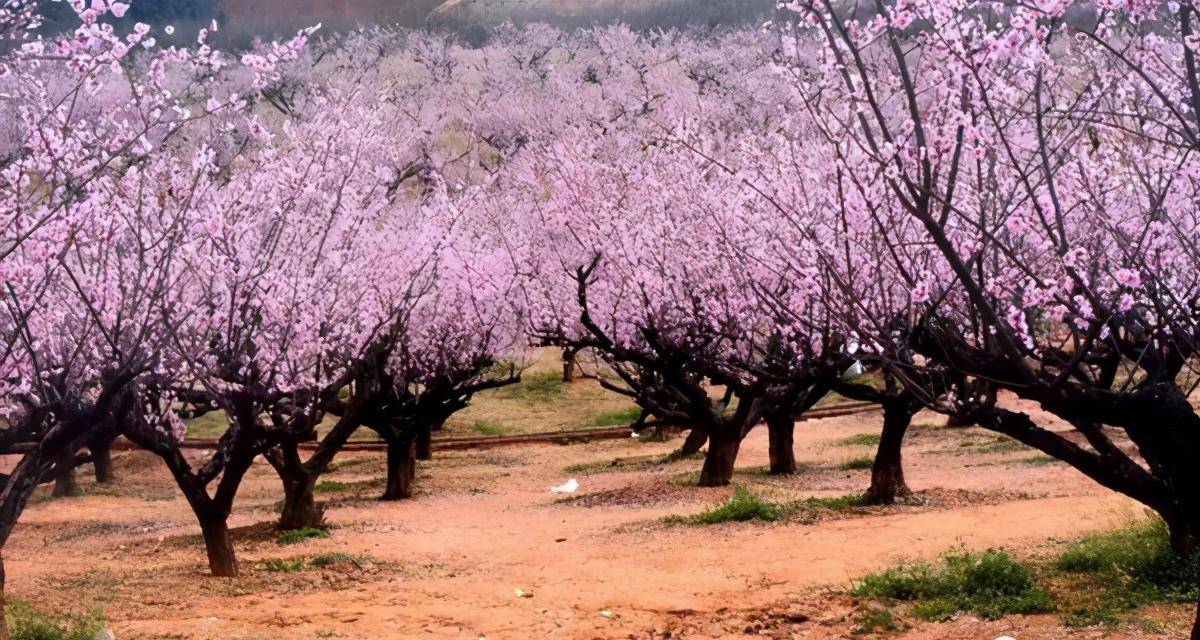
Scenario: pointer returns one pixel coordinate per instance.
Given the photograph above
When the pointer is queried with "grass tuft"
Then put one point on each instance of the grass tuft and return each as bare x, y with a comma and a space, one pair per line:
330, 486
28, 623
743, 506
860, 440
300, 535
835, 503
855, 464
618, 417
284, 565
332, 558
989, 584
489, 428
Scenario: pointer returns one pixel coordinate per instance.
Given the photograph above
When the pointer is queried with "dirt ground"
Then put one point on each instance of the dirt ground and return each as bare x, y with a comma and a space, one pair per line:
599, 564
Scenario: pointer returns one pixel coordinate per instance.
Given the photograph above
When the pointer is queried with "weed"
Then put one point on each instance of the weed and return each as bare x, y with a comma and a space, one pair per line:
330, 486
875, 621
855, 464
1118, 571
27, 623
835, 503
741, 507
284, 565
332, 558
989, 585
620, 416
489, 428
300, 535
860, 440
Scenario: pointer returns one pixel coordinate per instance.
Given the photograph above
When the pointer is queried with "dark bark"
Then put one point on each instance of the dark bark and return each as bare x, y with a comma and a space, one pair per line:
1196, 624
719, 461
693, 443
221, 560
955, 421
568, 365
781, 432
300, 508
401, 468
65, 483
1184, 530
424, 445
3, 604
887, 473
102, 460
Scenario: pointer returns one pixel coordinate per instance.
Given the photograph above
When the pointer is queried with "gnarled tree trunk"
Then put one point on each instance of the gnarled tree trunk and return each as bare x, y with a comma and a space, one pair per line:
221, 560
102, 460
693, 443
65, 482
424, 445
719, 461
887, 473
401, 468
300, 508
781, 434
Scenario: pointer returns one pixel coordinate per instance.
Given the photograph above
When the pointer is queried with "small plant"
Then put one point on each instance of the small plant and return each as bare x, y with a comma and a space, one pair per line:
284, 565
300, 535
489, 428
330, 486
875, 621
855, 464
620, 416
743, 506
860, 440
332, 558
28, 623
989, 584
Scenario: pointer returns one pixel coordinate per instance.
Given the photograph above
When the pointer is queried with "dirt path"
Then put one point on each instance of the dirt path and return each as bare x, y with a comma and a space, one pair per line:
448, 563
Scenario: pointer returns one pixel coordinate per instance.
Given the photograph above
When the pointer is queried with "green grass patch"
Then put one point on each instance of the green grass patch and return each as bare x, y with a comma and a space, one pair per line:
1116, 572
742, 506
856, 464
27, 623
283, 565
618, 417
330, 486
489, 428
989, 584
861, 440
300, 535
534, 387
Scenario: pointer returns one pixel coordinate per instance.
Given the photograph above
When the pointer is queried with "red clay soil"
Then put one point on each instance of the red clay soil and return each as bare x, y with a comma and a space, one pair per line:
600, 564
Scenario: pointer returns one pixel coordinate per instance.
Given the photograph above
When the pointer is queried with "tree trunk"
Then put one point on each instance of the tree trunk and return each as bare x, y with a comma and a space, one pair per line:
401, 469
221, 561
65, 484
719, 461
568, 364
1185, 533
780, 432
425, 444
1195, 625
887, 473
957, 422
693, 443
102, 461
300, 509
3, 604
